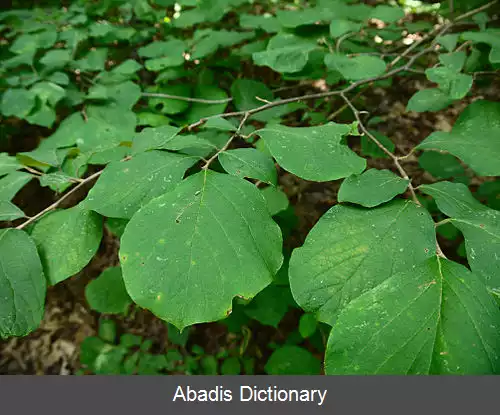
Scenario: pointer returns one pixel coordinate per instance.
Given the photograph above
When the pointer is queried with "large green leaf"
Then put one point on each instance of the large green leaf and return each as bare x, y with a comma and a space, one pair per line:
313, 153
9, 211
8, 164
12, 183
475, 138
266, 22
479, 224
188, 253
434, 318
164, 54
432, 99
125, 186
17, 102
276, 199
355, 68
372, 187
246, 91
66, 241
351, 250
248, 162
387, 14
22, 284
285, 53
488, 36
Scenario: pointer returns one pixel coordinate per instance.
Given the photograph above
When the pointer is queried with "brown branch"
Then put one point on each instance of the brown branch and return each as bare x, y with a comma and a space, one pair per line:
228, 143
59, 201
188, 99
392, 156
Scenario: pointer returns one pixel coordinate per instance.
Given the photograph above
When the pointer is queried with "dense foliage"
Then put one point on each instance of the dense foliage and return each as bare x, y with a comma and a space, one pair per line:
169, 113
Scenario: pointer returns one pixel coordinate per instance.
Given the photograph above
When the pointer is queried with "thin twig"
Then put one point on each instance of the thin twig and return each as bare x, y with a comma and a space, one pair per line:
188, 99
247, 114
33, 171
59, 201
395, 160
326, 94
228, 143
442, 222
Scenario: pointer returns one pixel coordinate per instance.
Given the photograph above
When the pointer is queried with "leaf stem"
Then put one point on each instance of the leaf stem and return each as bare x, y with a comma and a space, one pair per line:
188, 99
59, 201
228, 143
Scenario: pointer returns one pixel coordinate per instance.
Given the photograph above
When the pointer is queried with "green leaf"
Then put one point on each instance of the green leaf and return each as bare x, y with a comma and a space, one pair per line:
270, 305
455, 85
17, 103
479, 224
433, 99
292, 360
126, 186
209, 41
106, 128
387, 14
174, 252
9, 211
154, 138
372, 187
12, 183
107, 293
219, 123
475, 138
164, 54
248, 162
67, 134
295, 18
56, 59
339, 27
454, 61
369, 148
199, 110
8, 164
435, 318
48, 92
351, 250
128, 67
276, 199
285, 53
441, 165
245, 91
357, 67
22, 284
313, 153
307, 325
167, 105
267, 22
230, 366
491, 192
30, 43
152, 120
449, 41
65, 252
488, 36
125, 95
95, 60
56, 180
44, 116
